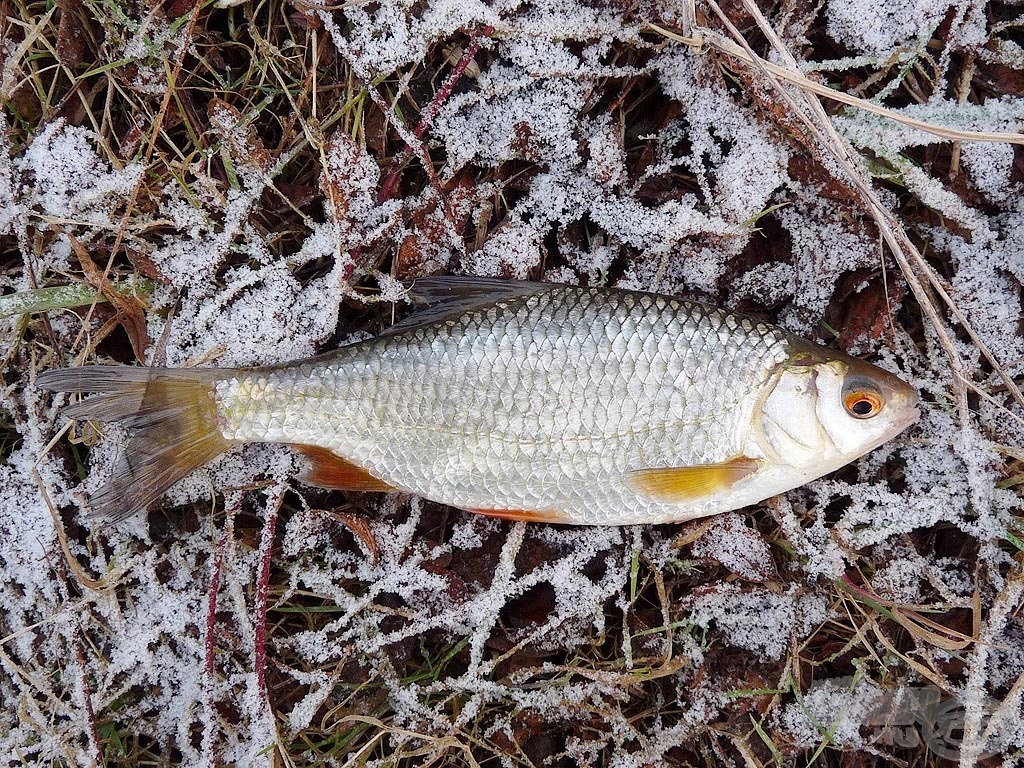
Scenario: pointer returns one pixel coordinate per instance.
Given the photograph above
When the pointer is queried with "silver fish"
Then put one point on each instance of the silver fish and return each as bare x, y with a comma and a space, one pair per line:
588, 406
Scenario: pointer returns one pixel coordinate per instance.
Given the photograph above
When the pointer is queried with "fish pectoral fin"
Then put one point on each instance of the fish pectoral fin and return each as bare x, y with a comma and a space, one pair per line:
529, 516
678, 484
329, 470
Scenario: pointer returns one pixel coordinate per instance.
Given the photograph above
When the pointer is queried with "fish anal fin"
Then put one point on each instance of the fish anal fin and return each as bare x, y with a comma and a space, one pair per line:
329, 470
525, 515
681, 484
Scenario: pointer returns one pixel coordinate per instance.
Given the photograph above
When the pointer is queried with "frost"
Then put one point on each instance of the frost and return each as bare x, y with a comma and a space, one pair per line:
60, 176
536, 165
990, 166
737, 547
884, 136
757, 619
69, 180
821, 253
989, 278
833, 710
768, 284
739, 165
899, 579
263, 314
878, 26
512, 115
389, 35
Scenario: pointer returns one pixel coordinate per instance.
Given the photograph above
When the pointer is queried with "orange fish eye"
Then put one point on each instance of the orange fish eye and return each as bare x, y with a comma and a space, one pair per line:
862, 403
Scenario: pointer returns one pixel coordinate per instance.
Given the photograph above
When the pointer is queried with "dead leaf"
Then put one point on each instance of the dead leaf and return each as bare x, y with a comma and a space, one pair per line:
427, 249
333, 179
738, 547
360, 528
246, 145
130, 311
865, 306
72, 35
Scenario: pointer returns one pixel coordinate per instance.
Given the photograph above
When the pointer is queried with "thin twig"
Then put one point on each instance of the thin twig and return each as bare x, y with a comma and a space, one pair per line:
701, 37
428, 114
263, 588
90, 713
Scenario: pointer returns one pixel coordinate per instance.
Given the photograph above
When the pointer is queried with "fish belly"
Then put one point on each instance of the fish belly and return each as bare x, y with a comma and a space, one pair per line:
540, 404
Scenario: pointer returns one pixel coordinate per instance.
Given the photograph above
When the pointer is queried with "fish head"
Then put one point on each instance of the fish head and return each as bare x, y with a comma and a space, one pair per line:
825, 408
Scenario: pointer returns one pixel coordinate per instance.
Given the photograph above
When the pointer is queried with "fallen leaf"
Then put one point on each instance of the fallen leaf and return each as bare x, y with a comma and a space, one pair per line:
130, 310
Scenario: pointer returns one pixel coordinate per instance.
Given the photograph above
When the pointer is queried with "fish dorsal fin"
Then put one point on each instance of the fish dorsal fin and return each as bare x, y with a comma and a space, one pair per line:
329, 470
680, 484
442, 297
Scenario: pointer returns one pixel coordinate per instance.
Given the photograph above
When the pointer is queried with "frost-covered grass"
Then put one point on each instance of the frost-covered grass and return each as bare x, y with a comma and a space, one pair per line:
238, 181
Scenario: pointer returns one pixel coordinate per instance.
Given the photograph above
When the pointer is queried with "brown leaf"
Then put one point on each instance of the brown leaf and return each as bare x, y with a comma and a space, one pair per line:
130, 310
427, 249
246, 145
175, 9
738, 547
865, 308
334, 178
72, 35
360, 528
145, 266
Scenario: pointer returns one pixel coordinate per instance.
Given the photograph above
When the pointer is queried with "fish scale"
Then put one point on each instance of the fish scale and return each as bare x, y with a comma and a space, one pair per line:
585, 386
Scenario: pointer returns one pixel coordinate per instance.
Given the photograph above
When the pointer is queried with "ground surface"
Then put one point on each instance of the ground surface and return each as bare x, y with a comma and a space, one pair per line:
233, 180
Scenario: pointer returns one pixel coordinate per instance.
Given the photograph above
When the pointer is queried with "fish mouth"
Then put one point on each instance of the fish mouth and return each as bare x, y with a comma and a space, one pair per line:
913, 413
910, 418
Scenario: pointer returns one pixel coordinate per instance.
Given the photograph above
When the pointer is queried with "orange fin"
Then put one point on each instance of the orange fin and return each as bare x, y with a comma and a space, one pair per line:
174, 416
329, 470
678, 484
529, 516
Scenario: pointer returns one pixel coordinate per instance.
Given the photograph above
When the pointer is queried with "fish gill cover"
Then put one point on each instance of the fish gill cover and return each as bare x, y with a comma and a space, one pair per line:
241, 182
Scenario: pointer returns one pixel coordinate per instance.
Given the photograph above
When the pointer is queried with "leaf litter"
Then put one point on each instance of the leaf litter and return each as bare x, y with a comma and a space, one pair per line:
300, 162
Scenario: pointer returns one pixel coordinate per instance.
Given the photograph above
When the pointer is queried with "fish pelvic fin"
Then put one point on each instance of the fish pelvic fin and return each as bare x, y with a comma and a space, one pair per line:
174, 417
681, 484
329, 470
524, 515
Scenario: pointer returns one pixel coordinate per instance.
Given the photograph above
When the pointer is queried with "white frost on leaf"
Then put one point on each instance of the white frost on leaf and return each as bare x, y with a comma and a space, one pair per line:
879, 26
821, 253
833, 711
738, 547
885, 136
757, 619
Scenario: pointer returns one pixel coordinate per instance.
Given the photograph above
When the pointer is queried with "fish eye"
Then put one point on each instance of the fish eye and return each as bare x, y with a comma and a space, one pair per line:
862, 401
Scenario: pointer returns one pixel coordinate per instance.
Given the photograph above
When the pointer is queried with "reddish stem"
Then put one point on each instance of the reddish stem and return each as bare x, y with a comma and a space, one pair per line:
262, 589
428, 114
60, 569
445, 91
210, 737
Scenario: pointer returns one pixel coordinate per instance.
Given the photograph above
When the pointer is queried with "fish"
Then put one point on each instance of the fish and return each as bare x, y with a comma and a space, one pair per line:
519, 400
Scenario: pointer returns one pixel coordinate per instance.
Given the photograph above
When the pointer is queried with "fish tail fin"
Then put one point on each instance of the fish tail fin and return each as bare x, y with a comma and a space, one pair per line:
174, 417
